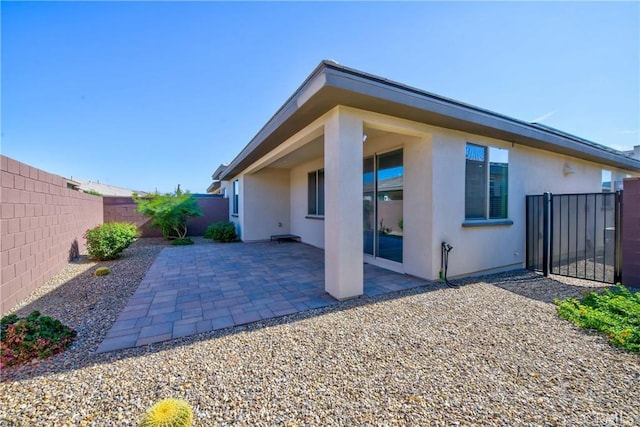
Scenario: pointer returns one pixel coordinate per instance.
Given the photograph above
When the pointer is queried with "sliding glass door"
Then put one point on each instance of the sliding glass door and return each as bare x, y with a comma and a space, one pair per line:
382, 205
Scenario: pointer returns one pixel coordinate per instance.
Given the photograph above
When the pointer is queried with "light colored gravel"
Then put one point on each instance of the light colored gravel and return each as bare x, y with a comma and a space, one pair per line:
490, 353
87, 303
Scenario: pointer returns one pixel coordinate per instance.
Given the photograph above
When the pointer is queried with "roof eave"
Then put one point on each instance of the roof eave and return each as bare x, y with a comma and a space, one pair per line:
331, 84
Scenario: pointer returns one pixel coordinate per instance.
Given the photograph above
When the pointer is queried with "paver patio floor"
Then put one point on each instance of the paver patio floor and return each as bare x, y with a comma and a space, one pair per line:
208, 286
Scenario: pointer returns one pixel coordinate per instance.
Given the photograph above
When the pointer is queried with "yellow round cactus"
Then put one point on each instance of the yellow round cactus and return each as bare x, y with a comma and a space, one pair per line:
102, 271
168, 413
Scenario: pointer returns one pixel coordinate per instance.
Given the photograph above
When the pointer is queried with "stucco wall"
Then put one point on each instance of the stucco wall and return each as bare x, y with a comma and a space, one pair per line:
631, 232
434, 194
265, 207
42, 223
311, 230
531, 171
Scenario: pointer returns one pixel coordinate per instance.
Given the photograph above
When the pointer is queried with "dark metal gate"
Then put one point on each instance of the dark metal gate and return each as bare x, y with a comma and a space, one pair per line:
575, 235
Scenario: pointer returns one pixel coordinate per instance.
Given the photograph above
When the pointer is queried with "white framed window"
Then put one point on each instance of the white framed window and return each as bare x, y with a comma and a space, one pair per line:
486, 182
236, 197
315, 193
606, 181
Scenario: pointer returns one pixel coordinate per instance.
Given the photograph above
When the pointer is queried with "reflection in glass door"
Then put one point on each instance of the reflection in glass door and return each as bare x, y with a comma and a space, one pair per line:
382, 205
368, 204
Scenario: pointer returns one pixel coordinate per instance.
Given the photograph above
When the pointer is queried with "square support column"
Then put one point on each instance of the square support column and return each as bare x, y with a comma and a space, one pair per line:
343, 252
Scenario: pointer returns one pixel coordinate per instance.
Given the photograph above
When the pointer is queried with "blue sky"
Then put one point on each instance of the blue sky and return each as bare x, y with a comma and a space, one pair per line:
150, 95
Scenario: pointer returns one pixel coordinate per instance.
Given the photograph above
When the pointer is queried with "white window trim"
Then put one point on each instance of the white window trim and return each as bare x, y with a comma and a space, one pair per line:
485, 222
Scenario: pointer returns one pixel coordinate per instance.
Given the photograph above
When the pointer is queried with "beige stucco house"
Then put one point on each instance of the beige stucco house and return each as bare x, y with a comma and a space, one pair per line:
378, 172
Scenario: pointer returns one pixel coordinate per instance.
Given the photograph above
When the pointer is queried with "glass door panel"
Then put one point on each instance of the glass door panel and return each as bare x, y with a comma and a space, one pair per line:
368, 204
389, 200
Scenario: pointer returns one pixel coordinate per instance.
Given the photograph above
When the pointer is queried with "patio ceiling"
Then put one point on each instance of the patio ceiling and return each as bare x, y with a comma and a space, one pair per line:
306, 153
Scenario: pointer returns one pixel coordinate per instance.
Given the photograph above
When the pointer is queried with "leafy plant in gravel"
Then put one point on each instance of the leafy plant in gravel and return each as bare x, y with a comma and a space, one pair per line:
35, 336
615, 312
107, 241
168, 413
169, 212
224, 231
182, 241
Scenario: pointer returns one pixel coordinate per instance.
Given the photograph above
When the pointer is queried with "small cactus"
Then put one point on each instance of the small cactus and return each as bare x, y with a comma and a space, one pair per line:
168, 413
102, 271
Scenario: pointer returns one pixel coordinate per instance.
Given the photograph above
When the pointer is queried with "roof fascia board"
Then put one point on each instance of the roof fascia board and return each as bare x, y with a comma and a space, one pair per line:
517, 130
472, 119
283, 113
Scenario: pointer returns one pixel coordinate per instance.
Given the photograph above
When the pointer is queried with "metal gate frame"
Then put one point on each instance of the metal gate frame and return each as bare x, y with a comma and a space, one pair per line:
543, 238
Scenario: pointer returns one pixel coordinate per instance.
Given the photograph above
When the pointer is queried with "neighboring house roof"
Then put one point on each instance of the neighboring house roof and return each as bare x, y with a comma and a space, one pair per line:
72, 184
214, 188
331, 84
215, 185
107, 190
218, 172
635, 153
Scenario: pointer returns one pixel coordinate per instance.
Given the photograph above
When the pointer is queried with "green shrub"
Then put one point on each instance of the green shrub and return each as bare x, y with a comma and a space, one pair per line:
222, 232
35, 336
102, 271
182, 241
168, 413
169, 212
108, 240
614, 312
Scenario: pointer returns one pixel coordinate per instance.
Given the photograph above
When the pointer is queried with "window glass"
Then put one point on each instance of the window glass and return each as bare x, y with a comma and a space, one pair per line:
311, 193
236, 192
486, 182
498, 183
315, 192
606, 180
389, 205
320, 190
475, 182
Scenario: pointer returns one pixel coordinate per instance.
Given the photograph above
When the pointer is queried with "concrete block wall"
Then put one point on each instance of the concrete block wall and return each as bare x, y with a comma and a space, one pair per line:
631, 232
41, 227
214, 209
123, 209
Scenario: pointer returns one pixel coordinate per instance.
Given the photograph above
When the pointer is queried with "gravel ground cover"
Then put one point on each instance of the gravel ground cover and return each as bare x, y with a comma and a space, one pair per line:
492, 352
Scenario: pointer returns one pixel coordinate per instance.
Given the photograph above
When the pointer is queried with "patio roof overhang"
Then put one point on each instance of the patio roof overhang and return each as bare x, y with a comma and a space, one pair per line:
331, 85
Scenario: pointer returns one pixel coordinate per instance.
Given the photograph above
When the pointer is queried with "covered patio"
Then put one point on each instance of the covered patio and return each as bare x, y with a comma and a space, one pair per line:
199, 288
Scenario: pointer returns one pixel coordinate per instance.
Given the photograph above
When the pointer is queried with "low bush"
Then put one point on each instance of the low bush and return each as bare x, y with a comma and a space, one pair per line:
35, 336
108, 240
615, 312
182, 241
222, 232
